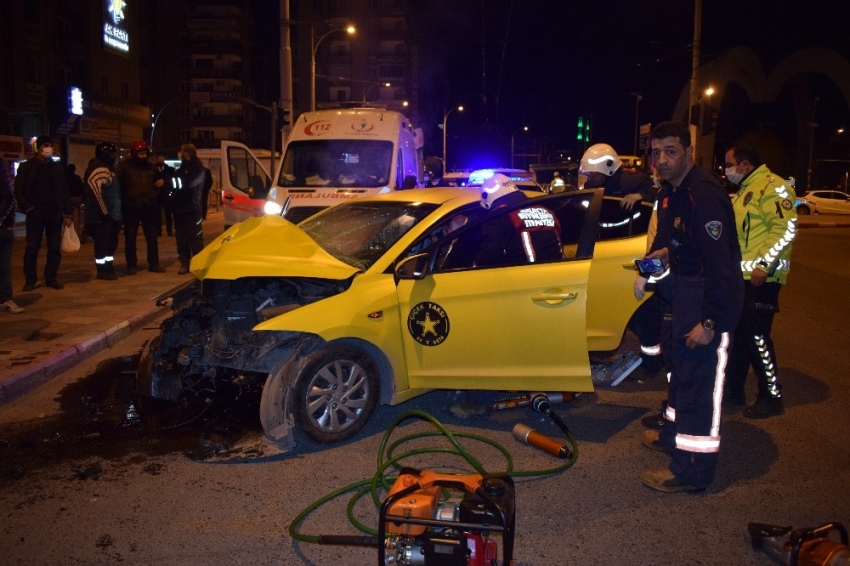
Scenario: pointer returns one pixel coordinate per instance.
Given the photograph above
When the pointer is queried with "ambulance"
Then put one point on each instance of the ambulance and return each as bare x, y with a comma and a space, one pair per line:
331, 156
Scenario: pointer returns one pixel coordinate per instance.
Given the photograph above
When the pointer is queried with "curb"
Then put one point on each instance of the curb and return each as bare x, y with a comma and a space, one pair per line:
39, 374
826, 225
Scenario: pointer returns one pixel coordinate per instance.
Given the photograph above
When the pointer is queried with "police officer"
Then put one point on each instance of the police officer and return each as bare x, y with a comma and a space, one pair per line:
766, 219
526, 235
699, 242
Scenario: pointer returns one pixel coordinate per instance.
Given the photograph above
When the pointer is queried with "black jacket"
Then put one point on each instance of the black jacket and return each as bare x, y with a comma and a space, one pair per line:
42, 185
7, 196
624, 183
188, 187
697, 226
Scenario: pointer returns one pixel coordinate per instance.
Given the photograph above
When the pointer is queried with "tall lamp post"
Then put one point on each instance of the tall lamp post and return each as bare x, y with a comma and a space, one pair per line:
445, 117
156, 117
812, 126
314, 45
274, 132
525, 129
638, 98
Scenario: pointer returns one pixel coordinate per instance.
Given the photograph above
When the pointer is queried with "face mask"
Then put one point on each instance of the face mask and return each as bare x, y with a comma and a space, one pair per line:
733, 176
47, 152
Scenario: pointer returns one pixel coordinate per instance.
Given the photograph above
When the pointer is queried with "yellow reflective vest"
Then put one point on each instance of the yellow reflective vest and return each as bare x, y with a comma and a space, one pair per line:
767, 224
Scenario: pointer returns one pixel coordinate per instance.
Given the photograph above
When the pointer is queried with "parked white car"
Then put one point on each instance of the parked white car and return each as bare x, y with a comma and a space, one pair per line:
824, 202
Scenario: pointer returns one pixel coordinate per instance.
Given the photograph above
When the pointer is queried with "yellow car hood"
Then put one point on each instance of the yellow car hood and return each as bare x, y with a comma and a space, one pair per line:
267, 246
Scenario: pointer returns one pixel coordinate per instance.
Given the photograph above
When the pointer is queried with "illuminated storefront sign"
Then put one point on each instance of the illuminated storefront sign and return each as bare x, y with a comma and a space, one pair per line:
75, 101
116, 38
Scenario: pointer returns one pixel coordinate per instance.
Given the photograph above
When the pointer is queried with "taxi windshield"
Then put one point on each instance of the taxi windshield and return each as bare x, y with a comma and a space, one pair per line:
359, 233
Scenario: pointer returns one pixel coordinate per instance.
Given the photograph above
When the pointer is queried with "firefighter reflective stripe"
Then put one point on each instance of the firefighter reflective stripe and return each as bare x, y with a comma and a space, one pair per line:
176, 182
651, 350
527, 246
710, 442
669, 412
769, 367
690, 443
104, 260
660, 276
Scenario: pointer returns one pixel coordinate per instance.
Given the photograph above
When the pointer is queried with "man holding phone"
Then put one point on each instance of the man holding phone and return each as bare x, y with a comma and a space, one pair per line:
698, 240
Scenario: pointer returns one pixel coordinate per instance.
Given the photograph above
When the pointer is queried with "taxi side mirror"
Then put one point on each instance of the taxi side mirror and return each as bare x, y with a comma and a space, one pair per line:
413, 267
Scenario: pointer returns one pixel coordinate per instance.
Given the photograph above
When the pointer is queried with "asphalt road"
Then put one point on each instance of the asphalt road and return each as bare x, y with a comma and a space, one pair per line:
82, 480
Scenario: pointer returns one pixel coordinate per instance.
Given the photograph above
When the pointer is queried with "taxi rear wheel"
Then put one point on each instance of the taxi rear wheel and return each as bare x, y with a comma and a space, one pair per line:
336, 393
803, 210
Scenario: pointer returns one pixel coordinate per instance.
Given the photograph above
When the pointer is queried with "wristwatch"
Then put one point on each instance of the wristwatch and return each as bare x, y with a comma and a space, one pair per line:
708, 324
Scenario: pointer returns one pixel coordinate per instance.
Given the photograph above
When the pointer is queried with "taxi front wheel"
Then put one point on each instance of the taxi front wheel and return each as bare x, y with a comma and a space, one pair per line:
336, 393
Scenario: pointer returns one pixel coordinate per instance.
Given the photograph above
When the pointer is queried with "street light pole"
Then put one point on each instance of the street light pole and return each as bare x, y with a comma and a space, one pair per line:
157, 115
638, 98
314, 46
274, 133
524, 128
812, 125
445, 118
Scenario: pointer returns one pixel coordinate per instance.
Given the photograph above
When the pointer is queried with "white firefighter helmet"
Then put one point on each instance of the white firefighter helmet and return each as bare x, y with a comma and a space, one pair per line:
600, 158
495, 188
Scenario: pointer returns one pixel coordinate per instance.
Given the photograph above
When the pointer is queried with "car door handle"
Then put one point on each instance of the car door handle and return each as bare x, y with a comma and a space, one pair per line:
228, 197
630, 266
554, 298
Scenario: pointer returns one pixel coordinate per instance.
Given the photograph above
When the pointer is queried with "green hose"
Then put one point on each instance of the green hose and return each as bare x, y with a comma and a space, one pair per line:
387, 459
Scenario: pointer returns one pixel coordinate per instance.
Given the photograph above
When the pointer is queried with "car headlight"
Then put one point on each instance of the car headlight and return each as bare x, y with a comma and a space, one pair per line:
272, 208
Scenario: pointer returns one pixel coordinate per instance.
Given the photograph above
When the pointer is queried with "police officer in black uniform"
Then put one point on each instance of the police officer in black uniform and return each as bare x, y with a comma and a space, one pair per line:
699, 241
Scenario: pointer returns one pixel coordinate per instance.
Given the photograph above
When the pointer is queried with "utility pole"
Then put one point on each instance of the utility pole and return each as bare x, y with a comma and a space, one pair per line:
285, 71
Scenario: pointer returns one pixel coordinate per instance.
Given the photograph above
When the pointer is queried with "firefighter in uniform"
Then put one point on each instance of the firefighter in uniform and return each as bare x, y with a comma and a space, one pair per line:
527, 235
767, 224
699, 242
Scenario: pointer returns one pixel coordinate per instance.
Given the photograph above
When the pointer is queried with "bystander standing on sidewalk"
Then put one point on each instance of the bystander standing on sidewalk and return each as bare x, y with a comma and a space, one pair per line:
7, 239
162, 181
185, 201
139, 206
41, 190
103, 208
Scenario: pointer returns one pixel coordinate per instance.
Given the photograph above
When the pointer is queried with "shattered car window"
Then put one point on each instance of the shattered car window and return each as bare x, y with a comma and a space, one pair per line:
358, 234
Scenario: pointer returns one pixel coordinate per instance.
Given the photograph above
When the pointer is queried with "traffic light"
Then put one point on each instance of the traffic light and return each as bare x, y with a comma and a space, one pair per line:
583, 129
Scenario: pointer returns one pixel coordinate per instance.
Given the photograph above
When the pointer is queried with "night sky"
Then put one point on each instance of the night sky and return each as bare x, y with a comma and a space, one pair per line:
542, 63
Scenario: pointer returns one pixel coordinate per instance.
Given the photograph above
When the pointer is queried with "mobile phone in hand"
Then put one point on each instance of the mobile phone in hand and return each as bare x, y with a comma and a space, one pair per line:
649, 267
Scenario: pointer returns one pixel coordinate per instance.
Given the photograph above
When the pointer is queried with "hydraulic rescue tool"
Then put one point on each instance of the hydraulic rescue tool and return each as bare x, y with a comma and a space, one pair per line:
802, 547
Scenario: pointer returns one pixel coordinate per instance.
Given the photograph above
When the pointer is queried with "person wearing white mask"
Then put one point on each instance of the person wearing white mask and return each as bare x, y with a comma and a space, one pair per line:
42, 192
766, 222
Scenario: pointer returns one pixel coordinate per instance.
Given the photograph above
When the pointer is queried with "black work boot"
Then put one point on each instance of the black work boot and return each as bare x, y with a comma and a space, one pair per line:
765, 407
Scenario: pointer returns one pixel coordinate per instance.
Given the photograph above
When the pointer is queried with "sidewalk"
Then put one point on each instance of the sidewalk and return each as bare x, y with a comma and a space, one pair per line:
61, 328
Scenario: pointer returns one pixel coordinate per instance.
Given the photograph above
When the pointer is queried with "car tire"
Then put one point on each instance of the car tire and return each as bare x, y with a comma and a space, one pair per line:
803, 210
334, 393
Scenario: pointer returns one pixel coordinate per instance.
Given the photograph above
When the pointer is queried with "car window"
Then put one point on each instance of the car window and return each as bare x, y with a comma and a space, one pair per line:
359, 233
463, 250
616, 223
